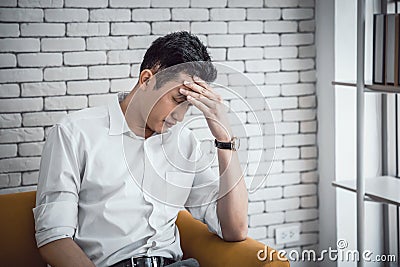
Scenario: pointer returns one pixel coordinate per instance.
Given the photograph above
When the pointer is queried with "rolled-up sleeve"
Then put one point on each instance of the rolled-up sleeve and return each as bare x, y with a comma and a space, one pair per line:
56, 210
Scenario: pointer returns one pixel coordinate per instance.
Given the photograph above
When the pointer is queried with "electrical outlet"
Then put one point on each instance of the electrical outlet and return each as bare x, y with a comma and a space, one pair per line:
287, 234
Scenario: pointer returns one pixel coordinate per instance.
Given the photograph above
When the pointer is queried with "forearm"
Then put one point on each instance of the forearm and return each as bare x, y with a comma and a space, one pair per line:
232, 206
64, 253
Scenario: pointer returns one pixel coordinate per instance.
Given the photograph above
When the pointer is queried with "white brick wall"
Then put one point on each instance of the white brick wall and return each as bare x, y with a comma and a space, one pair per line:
63, 55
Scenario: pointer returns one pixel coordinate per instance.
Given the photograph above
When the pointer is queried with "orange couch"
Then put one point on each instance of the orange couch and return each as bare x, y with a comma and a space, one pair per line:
18, 246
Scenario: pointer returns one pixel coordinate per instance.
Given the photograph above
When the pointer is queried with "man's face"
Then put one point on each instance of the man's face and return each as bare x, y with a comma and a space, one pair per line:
168, 106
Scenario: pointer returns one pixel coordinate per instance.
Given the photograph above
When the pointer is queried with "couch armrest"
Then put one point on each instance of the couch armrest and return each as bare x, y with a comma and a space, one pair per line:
211, 251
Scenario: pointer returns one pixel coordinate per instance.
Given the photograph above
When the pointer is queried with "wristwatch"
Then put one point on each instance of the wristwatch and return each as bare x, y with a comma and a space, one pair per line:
234, 144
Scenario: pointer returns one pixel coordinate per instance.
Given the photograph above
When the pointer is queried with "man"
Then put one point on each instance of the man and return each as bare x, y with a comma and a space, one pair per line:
110, 185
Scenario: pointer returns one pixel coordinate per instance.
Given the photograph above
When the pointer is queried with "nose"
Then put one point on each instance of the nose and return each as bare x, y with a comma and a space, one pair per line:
179, 113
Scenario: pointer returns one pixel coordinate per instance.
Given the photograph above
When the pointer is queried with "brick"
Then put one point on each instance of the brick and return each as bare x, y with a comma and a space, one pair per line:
135, 70
100, 100
65, 102
7, 60
308, 76
20, 104
19, 45
256, 207
300, 165
131, 3
309, 202
309, 152
248, 3
308, 127
20, 75
10, 120
280, 26
85, 58
298, 64
121, 85
282, 3
40, 3
126, 56
39, 59
30, 178
300, 190
130, 28
177, 3
66, 15
151, 14
307, 26
21, 15
217, 53
266, 219
282, 153
282, 179
248, 79
42, 118
307, 101
118, 71
282, 77
65, 73
299, 140
299, 115
262, 65
229, 66
43, 89
245, 26
297, 13
107, 43
301, 215
142, 41
8, 151
266, 193
20, 164
209, 27
16, 135
63, 44
227, 14
208, 3
9, 90
88, 29
225, 40
107, 15
88, 87
10, 180
263, 13
262, 39
8, 3
309, 226
286, 127
168, 27
30, 149
9, 30
42, 29
86, 3
245, 53
282, 102
282, 204
309, 177
307, 51
257, 232
298, 89
297, 39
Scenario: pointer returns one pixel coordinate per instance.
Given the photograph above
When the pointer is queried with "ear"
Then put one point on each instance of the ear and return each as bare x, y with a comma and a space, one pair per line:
144, 78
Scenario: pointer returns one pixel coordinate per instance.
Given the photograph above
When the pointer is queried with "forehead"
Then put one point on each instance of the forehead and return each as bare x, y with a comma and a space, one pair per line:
172, 86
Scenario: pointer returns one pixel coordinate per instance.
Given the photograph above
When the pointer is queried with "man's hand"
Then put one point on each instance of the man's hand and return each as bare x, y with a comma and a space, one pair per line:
202, 96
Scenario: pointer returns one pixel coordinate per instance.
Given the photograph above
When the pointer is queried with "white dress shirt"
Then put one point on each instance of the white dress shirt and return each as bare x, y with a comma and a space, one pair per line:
117, 194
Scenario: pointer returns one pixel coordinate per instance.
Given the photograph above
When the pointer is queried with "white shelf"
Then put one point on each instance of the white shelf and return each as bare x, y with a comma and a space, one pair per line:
370, 87
382, 189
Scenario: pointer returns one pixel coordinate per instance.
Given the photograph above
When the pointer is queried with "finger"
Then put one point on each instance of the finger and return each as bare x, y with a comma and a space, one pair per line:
198, 104
203, 83
200, 89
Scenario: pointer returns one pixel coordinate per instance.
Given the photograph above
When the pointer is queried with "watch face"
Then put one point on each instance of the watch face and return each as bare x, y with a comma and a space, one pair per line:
235, 143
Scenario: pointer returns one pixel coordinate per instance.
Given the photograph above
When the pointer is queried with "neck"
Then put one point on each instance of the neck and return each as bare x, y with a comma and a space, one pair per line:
135, 121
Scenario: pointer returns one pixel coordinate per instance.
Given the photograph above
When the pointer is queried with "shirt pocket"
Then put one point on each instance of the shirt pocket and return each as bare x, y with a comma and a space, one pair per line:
178, 187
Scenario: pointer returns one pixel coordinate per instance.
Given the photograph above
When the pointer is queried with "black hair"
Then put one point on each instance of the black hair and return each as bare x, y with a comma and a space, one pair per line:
175, 49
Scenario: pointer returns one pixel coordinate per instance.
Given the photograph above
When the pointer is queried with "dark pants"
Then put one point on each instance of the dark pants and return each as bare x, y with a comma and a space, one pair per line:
185, 263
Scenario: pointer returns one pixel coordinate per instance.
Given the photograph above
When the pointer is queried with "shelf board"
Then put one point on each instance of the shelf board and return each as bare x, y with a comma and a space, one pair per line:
369, 87
383, 188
